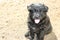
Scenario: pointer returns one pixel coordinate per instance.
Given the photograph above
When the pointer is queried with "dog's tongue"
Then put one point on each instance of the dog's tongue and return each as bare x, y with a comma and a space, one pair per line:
37, 21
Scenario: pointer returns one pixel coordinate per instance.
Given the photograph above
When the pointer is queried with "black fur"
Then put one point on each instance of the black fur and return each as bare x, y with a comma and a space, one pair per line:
38, 11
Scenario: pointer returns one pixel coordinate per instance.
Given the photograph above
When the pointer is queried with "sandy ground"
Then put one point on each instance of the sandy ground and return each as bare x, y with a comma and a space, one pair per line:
13, 18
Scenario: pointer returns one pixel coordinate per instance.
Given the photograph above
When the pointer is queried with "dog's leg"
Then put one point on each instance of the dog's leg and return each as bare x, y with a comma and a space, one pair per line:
27, 34
40, 36
32, 35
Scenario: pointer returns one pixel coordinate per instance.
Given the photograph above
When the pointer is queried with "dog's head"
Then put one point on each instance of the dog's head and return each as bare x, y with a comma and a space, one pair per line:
37, 12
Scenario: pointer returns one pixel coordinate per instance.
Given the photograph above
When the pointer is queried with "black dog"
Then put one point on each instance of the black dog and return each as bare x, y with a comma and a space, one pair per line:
38, 21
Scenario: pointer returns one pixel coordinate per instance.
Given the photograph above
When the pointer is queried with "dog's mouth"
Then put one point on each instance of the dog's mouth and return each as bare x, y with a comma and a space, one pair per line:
36, 21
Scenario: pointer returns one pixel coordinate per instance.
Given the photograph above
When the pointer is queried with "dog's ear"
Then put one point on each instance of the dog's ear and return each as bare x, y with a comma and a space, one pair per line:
45, 9
29, 9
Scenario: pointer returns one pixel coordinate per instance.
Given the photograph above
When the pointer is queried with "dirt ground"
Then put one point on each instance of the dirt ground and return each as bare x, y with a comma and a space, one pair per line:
13, 18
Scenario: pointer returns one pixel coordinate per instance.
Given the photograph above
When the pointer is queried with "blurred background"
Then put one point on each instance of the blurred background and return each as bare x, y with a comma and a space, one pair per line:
13, 18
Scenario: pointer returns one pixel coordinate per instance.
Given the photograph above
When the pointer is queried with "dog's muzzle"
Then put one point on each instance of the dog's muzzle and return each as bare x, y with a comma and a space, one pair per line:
36, 18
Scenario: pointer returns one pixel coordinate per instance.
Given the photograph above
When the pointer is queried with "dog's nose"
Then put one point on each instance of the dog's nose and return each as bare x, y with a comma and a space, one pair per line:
37, 16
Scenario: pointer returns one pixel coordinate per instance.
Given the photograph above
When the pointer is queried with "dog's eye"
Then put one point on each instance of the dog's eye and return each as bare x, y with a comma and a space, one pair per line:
31, 11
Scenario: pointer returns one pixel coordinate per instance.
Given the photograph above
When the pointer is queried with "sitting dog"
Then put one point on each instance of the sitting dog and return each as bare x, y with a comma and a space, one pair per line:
38, 21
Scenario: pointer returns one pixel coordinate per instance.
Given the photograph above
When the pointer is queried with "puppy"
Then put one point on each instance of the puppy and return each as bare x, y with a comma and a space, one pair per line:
38, 21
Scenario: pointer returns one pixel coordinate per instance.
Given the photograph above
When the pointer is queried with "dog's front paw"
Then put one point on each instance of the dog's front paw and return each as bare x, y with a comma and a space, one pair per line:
28, 36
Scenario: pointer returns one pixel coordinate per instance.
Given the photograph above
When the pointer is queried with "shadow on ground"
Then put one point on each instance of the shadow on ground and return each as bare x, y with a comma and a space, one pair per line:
50, 36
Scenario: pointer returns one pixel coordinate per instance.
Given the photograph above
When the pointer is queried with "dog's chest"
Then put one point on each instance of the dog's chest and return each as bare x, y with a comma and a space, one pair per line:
36, 28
